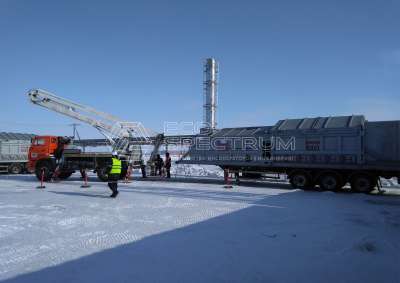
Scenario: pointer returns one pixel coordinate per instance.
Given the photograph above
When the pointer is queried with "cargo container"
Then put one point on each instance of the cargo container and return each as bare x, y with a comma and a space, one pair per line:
324, 151
14, 152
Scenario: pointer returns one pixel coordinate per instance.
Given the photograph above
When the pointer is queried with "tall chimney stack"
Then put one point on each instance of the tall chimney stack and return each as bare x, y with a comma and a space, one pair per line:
210, 94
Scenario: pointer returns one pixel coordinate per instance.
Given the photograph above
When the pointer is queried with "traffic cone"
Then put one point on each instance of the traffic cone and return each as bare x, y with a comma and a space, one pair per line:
128, 175
85, 180
227, 180
42, 186
54, 178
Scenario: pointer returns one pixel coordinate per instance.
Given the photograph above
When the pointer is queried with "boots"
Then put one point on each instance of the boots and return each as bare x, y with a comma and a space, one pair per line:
114, 188
114, 194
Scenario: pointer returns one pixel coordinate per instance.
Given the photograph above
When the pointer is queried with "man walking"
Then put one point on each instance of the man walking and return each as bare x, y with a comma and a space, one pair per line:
168, 164
114, 174
159, 165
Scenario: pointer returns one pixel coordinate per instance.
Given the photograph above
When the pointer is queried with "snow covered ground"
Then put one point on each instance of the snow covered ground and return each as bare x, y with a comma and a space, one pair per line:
195, 232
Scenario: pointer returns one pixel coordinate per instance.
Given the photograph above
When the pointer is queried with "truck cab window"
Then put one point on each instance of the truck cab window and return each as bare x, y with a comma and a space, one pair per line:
39, 142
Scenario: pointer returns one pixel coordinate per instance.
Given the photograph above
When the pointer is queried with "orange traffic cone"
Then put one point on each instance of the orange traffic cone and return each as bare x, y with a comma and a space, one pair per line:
85, 180
227, 179
42, 186
127, 178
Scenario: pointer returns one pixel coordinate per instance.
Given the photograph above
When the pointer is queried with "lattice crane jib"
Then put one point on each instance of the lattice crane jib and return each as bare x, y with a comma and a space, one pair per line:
118, 132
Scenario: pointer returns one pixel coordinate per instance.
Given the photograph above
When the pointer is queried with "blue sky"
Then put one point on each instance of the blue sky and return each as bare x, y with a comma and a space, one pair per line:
142, 60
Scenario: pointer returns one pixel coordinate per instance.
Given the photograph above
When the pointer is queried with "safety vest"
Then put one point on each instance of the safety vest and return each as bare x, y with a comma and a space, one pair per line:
116, 166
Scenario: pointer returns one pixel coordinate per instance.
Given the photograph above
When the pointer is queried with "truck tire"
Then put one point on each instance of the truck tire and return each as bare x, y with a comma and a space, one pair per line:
363, 183
330, 182
15, 168
102, 174
301, 180
45, 167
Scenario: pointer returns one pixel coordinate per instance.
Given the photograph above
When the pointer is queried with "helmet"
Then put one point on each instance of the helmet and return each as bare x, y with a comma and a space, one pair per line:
114, 153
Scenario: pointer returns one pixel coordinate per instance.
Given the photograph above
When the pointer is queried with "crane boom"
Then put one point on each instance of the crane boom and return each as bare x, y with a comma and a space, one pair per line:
116, 131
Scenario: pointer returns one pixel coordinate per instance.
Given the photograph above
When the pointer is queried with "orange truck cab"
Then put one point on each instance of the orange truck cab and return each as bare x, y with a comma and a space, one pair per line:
44, 153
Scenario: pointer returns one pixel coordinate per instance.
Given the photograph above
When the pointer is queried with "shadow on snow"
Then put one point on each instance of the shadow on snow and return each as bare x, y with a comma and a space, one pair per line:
282, 239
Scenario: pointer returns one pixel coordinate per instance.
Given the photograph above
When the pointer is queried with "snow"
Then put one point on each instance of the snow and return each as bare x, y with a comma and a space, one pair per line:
192, 231
197, 170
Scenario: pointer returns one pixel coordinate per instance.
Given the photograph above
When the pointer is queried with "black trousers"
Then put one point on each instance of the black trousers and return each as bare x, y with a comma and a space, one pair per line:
168, 169
113, 182
143, 171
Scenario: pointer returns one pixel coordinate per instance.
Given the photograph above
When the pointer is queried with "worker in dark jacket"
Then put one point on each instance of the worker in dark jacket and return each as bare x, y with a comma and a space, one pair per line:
168, 164
114, 174
159, 165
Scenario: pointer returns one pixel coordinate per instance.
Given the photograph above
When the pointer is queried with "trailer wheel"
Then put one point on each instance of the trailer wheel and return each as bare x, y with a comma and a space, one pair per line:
300, 180
46, 168
330, 182
15, 168
102, 174
363, 183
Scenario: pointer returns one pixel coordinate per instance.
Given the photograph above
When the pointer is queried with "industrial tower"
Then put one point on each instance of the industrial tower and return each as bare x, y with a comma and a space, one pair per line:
210, 81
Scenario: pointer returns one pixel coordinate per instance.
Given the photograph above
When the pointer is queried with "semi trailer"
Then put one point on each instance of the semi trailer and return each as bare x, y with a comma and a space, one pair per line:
325, 151
14, 152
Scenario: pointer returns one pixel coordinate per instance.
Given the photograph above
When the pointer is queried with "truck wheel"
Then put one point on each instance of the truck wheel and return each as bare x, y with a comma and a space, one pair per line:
47, 170
330, 182
15, 168
300, 180
102, 174
363, 183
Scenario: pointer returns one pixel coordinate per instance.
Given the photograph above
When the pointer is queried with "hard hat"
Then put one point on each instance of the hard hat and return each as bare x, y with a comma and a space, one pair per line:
114, 153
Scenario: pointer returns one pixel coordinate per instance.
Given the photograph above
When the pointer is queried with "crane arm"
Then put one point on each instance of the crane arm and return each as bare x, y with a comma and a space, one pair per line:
110, 126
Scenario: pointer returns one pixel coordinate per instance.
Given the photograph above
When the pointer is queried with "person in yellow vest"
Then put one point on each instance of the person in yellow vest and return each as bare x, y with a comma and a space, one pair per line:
114, 174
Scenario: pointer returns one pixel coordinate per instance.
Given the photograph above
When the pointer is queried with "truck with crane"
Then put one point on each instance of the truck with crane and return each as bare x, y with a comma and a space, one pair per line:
50, 157
55, 156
